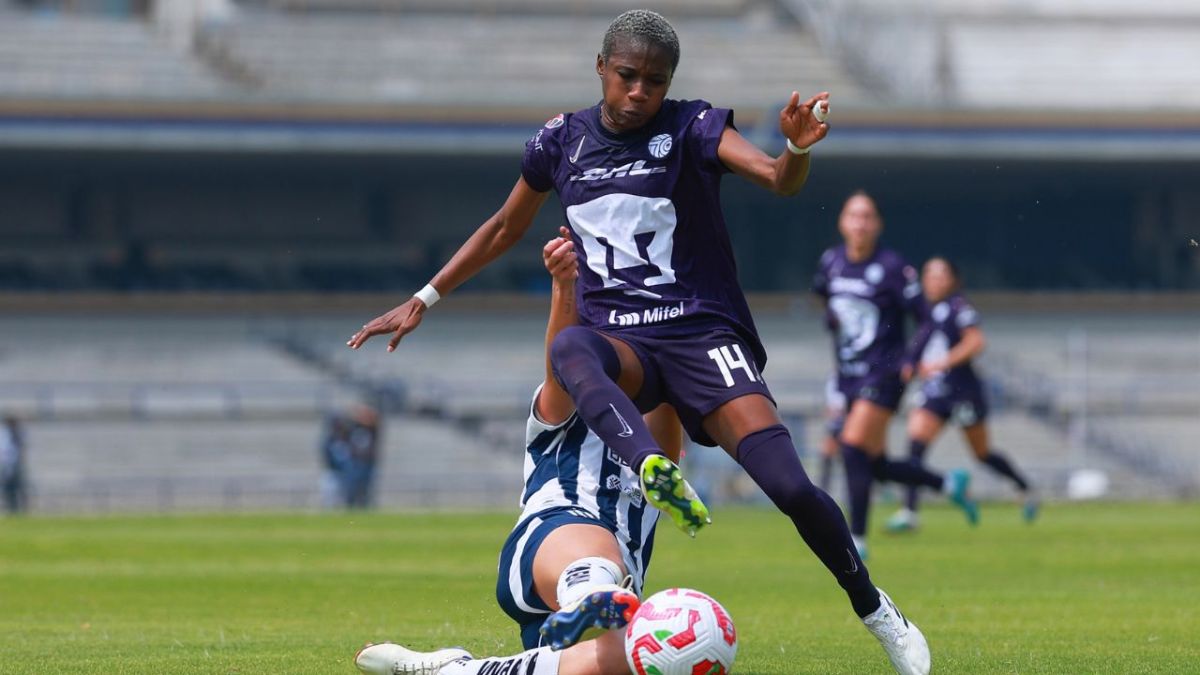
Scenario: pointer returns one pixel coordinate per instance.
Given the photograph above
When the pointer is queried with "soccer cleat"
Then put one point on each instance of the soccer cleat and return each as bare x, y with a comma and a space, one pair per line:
608, 606
666, 490
904, 520
391, 659
1030, 509
902, 640
957, 482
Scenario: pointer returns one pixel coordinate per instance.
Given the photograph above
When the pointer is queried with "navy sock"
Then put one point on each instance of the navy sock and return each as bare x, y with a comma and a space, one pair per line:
916, 456
769, 457
587, 367
1000, 464
906, 473
858, 486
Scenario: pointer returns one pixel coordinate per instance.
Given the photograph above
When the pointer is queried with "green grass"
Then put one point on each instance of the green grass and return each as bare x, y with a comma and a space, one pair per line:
1089, 589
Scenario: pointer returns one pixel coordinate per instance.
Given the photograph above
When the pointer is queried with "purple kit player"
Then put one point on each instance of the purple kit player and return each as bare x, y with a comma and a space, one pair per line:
941, 354
868, 293
662, 317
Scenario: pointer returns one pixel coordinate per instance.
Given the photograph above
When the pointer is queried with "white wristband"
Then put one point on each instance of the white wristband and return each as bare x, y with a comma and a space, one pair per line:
428, 295
795, 149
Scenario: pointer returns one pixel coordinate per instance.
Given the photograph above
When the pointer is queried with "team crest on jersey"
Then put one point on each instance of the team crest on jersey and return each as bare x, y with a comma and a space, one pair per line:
555, 122
660, 146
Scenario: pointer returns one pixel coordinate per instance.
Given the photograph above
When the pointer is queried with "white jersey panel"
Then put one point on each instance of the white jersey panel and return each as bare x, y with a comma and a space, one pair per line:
610, 224
568, 466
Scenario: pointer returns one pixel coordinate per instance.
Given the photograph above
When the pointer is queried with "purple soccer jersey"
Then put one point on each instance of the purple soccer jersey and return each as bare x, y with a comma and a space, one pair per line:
866, 304
645, 214
942, 329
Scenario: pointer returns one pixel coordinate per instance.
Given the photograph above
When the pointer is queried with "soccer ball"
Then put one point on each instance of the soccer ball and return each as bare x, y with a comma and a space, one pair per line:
680, 632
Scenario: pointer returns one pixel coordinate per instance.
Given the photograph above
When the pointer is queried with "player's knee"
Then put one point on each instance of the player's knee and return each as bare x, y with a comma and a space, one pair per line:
853, 435
577, 352
581, 576
564, 347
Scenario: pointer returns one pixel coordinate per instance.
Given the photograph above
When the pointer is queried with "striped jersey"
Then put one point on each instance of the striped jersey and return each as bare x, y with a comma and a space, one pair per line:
566, 465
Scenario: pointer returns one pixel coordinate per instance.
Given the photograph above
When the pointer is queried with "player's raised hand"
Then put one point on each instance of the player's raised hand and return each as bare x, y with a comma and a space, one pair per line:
797, 122
560, 258
400, 321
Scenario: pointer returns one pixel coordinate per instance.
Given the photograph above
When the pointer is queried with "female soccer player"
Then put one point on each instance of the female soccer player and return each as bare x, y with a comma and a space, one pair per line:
868, 292
584, 530
941, 355
662, 318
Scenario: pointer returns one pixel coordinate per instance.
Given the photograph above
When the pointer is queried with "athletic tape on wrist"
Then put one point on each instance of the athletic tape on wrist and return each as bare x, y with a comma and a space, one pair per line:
797, 150
428, 295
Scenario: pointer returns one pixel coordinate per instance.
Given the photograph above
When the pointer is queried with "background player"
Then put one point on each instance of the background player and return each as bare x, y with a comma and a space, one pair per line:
868, 292
943, 349
662, 316
584, 530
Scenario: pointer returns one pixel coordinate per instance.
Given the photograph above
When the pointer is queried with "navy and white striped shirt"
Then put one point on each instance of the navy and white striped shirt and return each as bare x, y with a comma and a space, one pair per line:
566, 465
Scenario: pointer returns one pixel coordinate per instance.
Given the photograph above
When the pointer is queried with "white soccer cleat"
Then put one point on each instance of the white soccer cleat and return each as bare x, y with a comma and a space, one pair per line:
392, 659
904, 520
902, 640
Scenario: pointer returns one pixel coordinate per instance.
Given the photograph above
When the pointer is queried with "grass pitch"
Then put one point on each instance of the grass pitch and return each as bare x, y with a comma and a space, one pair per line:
1088, 589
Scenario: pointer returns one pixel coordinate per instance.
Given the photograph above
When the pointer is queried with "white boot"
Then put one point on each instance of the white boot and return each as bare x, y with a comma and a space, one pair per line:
392, 659
901, 639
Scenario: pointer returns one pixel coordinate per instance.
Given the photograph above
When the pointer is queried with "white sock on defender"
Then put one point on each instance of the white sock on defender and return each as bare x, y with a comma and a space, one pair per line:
583, 575
541, 661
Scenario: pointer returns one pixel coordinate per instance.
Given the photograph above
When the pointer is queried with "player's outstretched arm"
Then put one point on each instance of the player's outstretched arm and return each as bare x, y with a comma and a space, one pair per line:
787, 173
493, 238
554, 405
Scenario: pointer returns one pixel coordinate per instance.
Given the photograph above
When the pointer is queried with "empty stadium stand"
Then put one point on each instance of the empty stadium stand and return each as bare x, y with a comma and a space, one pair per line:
459, 58
420, 55
219, 412
1018, 55
129, 465
472, 60
82, 58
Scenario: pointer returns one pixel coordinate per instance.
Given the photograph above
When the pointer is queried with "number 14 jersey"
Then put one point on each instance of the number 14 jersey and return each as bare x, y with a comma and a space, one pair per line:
644, 211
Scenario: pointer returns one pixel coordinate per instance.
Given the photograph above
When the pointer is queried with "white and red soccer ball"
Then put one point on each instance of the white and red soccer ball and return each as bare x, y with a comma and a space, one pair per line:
680, 631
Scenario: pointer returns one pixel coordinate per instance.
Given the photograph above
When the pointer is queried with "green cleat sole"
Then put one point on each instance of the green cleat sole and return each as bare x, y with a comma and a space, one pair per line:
663, 486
